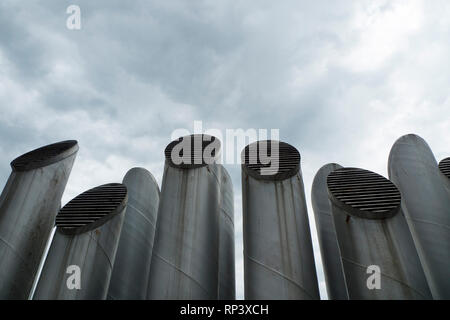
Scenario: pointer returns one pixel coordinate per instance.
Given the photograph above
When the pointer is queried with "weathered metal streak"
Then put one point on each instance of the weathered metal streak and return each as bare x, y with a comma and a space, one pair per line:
278, 253
227, 282
383, 242
426, 204
132, 264
185, 252
28, 206
329, 249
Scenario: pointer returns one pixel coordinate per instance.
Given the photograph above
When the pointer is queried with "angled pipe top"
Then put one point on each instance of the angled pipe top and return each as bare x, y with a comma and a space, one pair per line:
92, 209
44, 156
444, 166
193, 151
413, 149
363, 193
137, 179
270, 160
319, 192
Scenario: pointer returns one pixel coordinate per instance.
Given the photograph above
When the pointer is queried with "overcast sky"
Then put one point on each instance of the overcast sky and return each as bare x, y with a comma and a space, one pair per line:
341, 80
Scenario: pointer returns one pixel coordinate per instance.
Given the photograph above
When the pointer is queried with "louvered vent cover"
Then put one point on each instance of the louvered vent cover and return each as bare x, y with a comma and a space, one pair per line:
202, 151
444, 166
92, 208
363, 193
281, 167
45, 156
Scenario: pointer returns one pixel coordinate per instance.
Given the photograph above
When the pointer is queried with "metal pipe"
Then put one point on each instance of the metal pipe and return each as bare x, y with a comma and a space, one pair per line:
227, 282
80, 259
278, 252
132, 264
28, 206
185, 258
377, 251
329, 249
426, 204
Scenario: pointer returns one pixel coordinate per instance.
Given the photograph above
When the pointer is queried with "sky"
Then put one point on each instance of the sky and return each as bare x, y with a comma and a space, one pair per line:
341, 80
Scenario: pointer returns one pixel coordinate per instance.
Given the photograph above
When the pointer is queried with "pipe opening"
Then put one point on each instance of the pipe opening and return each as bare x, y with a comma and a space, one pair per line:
270, 160
444, 166
92, 208
363, 193
194, 151
45, 156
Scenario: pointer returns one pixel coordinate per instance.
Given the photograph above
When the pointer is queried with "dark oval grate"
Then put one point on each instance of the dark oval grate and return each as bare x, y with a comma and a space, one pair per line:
444, 166
92, 208
283, 166
202, 151
363, 193
45, 156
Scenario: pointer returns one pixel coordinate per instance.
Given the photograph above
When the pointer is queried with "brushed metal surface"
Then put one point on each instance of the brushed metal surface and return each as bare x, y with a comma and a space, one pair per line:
329, 249
28, 206
426, 205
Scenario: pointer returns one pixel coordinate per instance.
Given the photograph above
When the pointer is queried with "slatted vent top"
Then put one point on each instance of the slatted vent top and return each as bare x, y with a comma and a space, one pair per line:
444, 166
92, 208
192, 151
363, 193
45, 156
261, 161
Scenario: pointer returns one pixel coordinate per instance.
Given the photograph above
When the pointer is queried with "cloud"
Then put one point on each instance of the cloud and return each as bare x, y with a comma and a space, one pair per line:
341, 80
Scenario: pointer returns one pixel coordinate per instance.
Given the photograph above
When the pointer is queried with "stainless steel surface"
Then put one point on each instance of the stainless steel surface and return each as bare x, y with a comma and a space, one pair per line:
28, 206
132, 264
329, 249
185, 258
93, 249
278, 253
426, 204
374, 232
227, 281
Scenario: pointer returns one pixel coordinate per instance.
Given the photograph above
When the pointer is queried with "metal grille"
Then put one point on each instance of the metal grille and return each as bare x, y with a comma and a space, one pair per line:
282, 166
444, 166
45, 156
366, 193
202, 150
92, 208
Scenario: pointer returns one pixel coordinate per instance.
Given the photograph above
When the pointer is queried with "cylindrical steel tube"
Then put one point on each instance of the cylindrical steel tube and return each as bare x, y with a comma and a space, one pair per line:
80, 259
278, 252
377, 251
329, 249
28, 206
227, 282
132, 264
185, 258
426, 204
